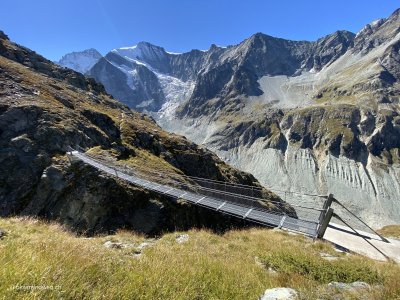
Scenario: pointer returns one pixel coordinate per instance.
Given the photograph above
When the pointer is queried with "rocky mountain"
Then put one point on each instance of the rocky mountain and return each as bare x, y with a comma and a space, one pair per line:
154, 56
131, 82
45, 108
203, 75
310, 117
80, 61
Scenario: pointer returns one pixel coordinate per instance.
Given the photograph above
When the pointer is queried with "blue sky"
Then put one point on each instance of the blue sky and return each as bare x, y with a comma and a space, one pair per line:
55, 27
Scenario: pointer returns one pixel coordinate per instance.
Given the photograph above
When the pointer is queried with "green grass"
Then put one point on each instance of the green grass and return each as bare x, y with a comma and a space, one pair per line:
312, 267
208, 266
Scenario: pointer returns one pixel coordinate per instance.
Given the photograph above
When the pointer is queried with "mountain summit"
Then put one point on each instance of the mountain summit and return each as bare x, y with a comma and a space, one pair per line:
156, 57
81, 61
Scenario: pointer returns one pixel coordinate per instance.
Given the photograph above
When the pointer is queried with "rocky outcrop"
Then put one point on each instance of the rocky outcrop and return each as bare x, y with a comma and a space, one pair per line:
89, 202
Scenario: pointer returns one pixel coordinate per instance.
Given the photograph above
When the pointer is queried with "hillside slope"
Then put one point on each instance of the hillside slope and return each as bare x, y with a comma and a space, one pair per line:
184, 265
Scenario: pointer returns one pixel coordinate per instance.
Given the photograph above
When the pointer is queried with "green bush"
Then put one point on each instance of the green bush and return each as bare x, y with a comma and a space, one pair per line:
311, 266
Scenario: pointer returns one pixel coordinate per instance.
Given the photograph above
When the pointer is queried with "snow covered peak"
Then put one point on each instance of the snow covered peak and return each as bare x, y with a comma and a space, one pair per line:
154, 57
143, 51
81, 61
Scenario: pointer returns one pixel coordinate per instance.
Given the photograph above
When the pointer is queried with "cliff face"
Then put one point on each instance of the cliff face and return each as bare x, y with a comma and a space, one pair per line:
44, 109
344, 150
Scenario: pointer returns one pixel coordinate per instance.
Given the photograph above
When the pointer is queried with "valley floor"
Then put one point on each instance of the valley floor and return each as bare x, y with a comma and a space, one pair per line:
41, 260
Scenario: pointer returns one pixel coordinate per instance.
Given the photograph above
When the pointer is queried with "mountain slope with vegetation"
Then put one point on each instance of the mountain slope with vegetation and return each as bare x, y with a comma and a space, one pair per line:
44, 109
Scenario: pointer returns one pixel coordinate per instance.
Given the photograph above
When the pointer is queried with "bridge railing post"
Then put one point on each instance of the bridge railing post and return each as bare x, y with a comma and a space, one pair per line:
325, 216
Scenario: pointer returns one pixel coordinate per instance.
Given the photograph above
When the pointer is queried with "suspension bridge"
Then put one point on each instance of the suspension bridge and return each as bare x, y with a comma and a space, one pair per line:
240, 201
249, 203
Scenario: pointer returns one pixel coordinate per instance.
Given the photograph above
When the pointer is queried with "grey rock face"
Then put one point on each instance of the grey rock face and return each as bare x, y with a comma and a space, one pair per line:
391, 61
266, 55
187, 66
240, 67
156, 57
377, 32
328, 49
138, 88
342, 150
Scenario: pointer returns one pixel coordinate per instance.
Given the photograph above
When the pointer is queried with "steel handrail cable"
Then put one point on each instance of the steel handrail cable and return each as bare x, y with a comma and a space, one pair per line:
244, 196
219, 182
247, 187
241, 196
246, 207
233, 184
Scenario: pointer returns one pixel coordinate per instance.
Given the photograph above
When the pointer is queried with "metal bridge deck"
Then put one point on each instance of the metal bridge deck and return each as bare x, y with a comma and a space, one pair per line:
257, 215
